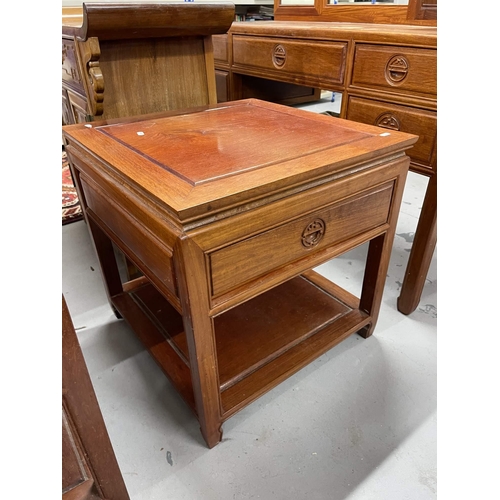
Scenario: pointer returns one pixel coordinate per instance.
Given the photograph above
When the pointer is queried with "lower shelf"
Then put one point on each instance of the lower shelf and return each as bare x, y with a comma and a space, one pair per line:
259, 343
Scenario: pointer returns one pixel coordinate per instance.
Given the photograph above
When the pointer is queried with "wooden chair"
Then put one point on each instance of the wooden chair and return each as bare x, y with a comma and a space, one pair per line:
131, 59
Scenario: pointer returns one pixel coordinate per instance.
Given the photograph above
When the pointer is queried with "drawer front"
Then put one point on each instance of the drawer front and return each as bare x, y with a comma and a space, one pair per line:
307, 62
396, 69
221, 52
403, 118
147, 248
70, 72
299, 239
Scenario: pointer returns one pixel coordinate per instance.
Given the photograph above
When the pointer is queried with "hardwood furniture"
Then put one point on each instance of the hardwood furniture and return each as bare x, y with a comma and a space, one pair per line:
89, 466
416, 12
135, 58
226, 209
386, 75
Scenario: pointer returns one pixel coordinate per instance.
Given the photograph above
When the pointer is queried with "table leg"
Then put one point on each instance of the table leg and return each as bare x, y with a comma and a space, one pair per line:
377, 262
107, 261
421, 253
199, 329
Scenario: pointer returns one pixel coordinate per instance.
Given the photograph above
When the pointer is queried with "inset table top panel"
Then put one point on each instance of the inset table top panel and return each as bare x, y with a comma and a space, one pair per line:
207, 146
200, 161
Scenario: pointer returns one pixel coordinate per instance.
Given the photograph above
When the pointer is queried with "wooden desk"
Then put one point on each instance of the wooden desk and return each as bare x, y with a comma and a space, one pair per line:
386, 74
226, 220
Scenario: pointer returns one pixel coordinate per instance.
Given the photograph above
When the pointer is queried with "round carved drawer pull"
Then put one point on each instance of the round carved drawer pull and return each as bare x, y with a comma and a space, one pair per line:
397, 69
388, 120
313, 233
279, 56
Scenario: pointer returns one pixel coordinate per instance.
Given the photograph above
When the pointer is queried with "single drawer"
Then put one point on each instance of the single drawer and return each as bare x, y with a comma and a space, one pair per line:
403, 69
70, 73
154, 254
298, 239
314, 63
221, 52
416, 121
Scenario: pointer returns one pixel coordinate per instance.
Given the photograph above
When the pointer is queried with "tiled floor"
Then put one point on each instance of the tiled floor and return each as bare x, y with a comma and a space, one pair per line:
359, 423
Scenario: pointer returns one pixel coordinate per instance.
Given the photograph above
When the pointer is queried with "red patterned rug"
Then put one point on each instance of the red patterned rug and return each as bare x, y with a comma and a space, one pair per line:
71, 208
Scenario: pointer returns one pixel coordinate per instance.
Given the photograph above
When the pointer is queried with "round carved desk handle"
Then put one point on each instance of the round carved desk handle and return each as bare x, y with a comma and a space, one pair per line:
279, 56
313, 233
397, 69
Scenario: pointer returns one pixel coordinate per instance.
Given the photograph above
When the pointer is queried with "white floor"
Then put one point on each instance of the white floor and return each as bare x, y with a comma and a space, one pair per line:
358, 423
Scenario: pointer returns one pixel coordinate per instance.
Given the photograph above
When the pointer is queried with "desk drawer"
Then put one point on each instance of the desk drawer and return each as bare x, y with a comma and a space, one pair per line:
298, 239
395, 69
148, 250
70, 72
416, 121
313, 63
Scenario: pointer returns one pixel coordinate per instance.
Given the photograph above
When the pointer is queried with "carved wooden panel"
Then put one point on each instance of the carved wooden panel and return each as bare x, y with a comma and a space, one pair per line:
70, 72
90, 53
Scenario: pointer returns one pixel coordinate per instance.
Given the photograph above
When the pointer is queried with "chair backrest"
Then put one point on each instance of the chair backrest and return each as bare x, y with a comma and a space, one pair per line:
138, 58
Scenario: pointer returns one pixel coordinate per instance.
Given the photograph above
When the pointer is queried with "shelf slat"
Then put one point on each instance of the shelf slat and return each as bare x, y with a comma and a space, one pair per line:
272, 374
259, 343
260, 330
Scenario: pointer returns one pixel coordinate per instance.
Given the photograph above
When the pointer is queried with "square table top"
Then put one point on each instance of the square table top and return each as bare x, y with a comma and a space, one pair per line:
203, 159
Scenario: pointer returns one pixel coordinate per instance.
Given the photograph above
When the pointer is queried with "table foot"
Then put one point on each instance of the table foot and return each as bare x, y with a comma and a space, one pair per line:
366, 331
116, 312
212, 438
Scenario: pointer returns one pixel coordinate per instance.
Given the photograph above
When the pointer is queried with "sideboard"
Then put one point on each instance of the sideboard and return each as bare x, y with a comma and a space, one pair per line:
386, 74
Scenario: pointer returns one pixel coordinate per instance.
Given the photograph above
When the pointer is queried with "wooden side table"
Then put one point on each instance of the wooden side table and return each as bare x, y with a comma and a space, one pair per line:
226, 209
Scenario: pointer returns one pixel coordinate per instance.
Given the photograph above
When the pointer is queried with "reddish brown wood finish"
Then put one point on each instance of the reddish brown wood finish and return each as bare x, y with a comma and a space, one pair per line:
225, 209
417, 12
127, 59
89, 466
387, 74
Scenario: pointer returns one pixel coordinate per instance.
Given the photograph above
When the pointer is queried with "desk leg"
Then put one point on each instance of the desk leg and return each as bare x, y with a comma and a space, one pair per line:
198, 326
421, 253
107, 260
377, 261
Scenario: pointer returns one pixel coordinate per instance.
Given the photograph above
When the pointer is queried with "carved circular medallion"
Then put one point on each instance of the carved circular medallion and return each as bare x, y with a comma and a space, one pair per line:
279, 56
313, 233
396, 69
388, 120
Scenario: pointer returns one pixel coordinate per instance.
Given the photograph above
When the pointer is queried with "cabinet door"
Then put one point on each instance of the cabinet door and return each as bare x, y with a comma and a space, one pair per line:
89, 466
